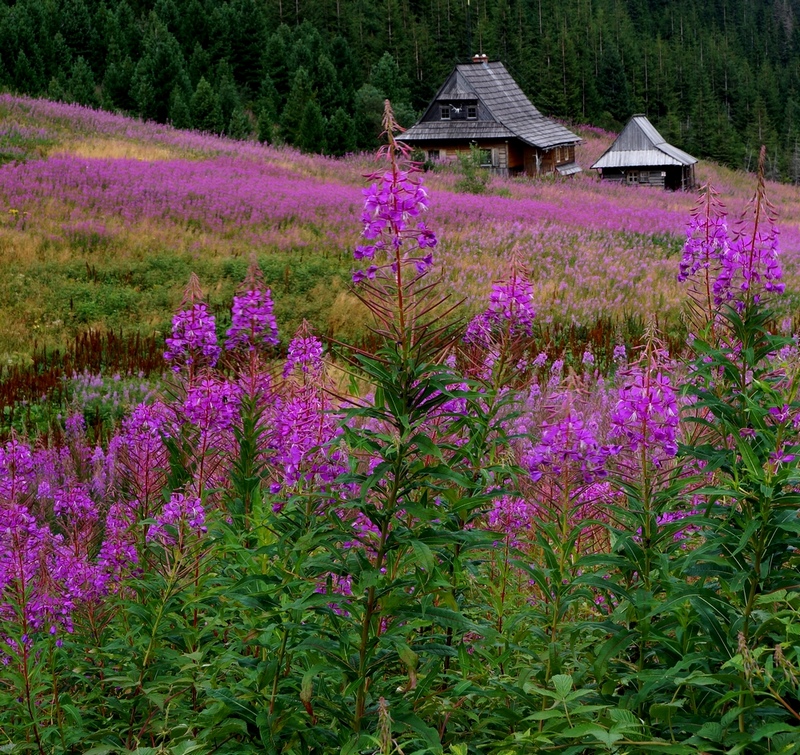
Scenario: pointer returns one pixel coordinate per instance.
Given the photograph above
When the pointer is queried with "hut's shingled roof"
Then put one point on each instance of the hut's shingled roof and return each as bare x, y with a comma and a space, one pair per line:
640, 145
513, 113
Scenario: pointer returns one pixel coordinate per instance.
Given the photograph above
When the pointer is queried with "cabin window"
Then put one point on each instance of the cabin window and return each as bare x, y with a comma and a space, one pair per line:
445, 112
633, 176
486, 158
558, 154
472, 112
433, 155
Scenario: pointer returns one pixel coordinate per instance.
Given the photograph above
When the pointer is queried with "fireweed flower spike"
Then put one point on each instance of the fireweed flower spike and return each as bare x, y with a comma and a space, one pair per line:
393, 205
510, 305
751, 266
646, 414
193, 343
253, 324
707, 239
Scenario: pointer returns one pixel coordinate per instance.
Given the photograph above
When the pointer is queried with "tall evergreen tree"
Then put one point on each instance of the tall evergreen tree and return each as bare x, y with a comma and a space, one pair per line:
180, 114
227, 92
205, 110
311, 135
299, 96
340, 134
160, 69
368, 116
81, 86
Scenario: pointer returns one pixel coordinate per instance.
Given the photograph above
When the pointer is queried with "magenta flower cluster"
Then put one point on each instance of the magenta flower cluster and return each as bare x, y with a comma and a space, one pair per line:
510, 306
570, 446
193, 342
253, 323
392, 209
737, 268
646, 414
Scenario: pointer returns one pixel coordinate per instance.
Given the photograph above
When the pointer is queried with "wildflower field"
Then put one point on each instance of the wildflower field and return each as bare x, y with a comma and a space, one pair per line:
453, 536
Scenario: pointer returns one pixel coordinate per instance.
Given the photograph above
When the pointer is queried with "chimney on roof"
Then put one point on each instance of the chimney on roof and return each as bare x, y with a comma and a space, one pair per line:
480, 58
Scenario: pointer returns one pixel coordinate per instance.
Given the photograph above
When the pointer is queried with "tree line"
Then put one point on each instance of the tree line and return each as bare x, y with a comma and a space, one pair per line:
717, 78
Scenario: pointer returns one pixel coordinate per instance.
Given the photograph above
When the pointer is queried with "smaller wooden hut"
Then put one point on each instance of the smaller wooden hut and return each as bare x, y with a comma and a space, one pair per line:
640, 156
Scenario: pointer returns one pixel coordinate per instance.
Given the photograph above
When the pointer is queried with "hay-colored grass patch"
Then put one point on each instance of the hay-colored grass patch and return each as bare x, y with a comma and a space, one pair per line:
116, 149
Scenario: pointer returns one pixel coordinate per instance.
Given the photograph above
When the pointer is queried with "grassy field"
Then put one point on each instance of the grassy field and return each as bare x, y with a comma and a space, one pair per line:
103, 218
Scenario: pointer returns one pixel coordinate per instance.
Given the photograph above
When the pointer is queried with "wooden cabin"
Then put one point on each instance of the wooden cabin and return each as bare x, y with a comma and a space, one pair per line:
640, 156
481, 104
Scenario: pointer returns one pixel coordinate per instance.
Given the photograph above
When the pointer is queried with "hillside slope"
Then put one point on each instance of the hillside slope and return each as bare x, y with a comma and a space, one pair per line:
103, 218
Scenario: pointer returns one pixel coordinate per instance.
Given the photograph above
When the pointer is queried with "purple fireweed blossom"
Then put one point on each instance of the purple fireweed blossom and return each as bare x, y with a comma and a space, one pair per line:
194, 339
511, 516
16, 471
74, 504
212, 406
751, 265
568, 446
393, 204
180, 509
646, 414
193, 343
304, 355
510, 306
253, 324
144, 457
707, 242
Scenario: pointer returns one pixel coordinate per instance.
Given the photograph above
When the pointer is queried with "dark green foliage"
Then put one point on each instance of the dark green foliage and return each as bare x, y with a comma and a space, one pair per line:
205, 110
299, 96
474, 178
341, 134
180, 115
265, 126
311, 134
368, 114
160, 69
613, 86
227, 94
239, 126
118, 83
719, 79
81, 87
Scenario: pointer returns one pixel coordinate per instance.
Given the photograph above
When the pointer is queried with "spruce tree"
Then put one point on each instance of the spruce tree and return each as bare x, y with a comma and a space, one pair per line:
275, 63
26, 78
180, 115
311, 136
368, 116
199, 64
386, 77
292, 115
239, 126
205, 110
266, 126
329, 90
226, 91
118, 84
613, 86
340, 134
81, 87
160, 69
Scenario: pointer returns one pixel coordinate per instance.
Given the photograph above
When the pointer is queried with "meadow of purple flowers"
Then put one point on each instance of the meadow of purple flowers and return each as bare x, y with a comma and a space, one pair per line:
468, 549
113, 195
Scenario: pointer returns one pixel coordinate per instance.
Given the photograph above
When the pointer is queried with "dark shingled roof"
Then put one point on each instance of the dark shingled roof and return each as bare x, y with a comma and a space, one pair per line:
640, 145
513, 113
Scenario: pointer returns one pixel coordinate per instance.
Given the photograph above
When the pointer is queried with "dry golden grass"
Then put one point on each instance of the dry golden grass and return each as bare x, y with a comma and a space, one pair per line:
116, 149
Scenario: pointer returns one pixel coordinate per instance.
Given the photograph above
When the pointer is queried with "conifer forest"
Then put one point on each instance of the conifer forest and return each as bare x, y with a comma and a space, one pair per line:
719, 78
